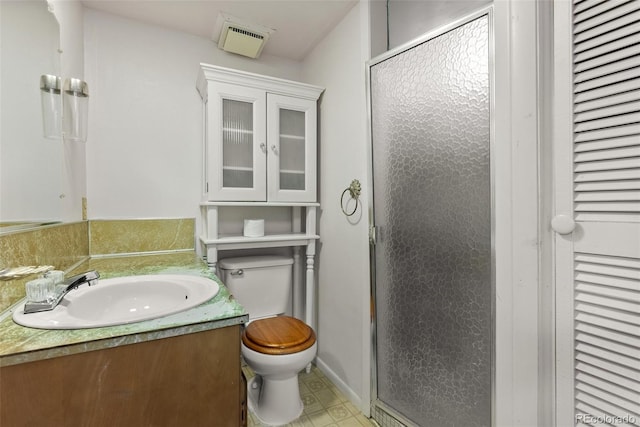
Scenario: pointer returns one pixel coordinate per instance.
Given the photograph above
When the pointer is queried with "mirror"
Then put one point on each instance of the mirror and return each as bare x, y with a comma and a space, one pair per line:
31, 166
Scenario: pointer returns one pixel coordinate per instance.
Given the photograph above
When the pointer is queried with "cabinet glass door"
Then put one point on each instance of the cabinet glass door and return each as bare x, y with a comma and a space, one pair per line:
237, 144
236, 169
292, 149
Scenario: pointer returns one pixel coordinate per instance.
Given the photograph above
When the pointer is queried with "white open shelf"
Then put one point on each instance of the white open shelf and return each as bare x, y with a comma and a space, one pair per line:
215, 238
267, 241
265, 203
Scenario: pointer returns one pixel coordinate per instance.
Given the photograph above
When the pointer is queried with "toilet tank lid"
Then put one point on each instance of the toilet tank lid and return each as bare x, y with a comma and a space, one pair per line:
254, 261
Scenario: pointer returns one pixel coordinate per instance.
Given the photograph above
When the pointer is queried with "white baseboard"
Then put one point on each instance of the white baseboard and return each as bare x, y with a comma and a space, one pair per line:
342, 386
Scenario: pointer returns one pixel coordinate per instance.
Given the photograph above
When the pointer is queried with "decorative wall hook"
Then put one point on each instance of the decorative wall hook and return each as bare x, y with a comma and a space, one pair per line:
354, 190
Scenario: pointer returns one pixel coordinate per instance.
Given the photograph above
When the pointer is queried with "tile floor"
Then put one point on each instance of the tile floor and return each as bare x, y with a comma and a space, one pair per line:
324, 404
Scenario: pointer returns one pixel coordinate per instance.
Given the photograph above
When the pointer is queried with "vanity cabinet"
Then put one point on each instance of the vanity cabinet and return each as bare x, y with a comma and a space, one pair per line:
185, 380
260, 137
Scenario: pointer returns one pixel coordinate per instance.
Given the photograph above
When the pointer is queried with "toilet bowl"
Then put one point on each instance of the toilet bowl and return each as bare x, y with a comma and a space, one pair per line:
274, 345
277, 349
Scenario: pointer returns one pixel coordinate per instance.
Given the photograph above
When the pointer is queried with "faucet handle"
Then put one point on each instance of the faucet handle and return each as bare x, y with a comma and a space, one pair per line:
90, 277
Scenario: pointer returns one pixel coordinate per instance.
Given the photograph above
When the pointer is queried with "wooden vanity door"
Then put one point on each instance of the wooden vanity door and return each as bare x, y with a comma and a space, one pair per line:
187, 380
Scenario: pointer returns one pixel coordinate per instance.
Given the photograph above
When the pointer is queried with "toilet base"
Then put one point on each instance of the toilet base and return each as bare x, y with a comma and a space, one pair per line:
274, 402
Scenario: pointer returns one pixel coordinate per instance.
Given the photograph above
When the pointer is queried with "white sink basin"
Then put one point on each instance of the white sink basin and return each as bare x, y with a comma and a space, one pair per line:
123, 300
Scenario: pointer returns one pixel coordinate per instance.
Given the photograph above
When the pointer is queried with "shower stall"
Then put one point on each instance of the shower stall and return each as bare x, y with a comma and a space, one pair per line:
432, 228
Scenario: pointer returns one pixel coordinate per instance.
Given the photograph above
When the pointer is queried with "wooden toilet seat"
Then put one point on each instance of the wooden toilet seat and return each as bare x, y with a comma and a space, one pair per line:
278, 335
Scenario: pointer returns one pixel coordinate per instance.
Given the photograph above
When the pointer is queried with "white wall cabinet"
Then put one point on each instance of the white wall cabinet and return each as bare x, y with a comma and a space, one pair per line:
260, 137
260, 152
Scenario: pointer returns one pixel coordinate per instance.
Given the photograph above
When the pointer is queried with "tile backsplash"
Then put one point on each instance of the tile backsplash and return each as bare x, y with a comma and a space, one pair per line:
141, 235
64, 245
60, 245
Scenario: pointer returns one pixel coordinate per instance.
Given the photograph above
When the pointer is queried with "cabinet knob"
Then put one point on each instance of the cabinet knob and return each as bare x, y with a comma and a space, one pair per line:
263, 147
274, 149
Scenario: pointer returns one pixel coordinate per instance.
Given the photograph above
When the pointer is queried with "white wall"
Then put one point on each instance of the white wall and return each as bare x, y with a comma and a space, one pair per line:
30, 165
145, 115
516, 215
70, 17
409, 20
337, 64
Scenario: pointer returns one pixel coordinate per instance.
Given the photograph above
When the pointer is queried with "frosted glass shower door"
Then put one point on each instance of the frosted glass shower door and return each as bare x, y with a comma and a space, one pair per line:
430, 130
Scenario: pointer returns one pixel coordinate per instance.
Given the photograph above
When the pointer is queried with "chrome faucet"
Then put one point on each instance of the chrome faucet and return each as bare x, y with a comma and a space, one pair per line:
90, 278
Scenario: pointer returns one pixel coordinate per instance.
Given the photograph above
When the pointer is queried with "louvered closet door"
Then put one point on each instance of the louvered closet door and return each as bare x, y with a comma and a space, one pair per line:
597, 143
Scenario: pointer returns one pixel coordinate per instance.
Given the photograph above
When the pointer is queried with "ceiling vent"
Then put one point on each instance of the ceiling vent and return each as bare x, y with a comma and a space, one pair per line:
242, 38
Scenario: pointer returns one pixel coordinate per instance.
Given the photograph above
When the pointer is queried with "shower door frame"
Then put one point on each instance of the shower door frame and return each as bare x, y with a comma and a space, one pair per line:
489, 13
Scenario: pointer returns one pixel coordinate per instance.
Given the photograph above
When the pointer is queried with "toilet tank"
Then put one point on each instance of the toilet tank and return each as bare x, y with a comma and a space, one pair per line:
261, 284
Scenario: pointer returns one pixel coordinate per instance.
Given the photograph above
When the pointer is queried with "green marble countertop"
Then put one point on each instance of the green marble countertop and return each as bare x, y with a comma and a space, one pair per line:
20, 344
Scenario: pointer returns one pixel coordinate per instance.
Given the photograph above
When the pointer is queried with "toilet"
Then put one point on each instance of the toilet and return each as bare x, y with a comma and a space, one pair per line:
276, 346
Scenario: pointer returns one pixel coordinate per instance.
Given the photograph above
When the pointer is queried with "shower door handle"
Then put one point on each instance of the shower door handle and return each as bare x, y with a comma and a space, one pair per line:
373, 235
